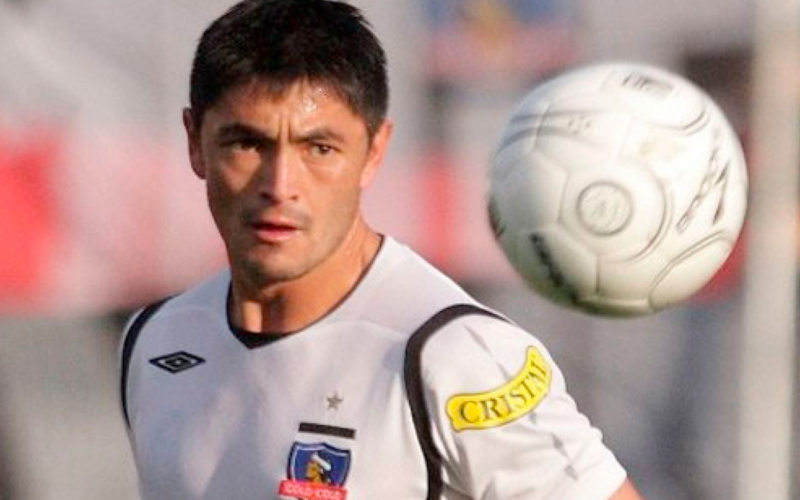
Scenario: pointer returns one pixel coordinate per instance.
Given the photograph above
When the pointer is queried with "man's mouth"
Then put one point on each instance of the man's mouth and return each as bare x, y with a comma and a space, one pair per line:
274, 231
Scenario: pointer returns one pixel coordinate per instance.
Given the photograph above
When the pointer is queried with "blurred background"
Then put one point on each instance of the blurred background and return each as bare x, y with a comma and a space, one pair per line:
100, 214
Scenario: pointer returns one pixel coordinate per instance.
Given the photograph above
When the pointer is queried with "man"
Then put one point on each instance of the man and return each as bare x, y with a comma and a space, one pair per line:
330, 361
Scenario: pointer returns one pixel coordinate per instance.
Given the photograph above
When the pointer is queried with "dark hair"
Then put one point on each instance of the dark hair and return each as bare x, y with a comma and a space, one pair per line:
281, 42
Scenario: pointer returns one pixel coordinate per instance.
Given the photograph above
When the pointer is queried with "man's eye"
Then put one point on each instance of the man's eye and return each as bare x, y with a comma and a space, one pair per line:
321, 149
245, 144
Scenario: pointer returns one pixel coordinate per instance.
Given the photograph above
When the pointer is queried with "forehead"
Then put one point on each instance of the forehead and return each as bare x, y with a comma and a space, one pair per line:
298, 101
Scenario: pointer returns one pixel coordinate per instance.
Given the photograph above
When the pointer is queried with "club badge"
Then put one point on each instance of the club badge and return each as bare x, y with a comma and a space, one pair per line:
316, 471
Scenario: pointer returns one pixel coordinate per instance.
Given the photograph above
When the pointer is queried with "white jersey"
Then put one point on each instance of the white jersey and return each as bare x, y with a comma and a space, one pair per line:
365, 404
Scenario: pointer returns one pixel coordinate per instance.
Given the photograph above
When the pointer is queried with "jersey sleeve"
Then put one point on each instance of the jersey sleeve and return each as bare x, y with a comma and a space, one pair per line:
503, 422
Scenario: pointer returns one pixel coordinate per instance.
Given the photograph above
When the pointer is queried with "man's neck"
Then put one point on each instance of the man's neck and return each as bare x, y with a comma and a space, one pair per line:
287, 307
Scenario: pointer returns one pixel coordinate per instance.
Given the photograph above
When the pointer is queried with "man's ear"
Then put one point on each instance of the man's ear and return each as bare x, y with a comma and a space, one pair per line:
193, 141
377, 152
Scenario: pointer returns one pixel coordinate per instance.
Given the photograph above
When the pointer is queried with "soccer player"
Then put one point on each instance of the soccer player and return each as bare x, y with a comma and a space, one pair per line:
329, 361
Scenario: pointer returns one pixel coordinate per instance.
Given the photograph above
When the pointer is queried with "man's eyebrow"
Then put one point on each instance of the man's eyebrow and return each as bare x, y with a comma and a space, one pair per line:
321, 134
237, 129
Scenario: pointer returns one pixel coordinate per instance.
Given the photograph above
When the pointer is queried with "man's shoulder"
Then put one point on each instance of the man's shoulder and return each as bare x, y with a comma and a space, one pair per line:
404, 290
211, 291
471, 339
209, 294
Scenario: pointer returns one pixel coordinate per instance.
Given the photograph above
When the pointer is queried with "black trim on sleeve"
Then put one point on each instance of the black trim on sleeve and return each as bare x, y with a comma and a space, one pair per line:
412, 373
127, 351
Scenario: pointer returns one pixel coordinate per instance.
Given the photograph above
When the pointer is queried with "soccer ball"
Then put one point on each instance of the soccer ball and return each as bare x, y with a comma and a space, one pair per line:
617, 189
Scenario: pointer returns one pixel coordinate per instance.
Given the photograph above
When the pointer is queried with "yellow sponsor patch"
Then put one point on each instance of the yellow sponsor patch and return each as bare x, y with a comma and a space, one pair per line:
506, 403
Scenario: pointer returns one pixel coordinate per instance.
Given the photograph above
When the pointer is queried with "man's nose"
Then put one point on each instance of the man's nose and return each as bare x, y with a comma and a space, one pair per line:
279, 174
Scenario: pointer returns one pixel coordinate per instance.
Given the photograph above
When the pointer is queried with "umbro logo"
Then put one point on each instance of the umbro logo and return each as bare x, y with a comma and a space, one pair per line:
177, 361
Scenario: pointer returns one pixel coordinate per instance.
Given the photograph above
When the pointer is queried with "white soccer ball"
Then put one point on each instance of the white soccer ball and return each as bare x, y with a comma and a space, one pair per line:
617, 189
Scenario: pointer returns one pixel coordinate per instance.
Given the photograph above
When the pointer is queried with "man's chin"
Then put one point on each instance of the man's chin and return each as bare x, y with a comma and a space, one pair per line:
261, 273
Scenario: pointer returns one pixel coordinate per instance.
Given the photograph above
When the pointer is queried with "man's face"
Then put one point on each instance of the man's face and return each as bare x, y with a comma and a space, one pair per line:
284, 175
